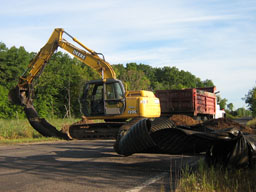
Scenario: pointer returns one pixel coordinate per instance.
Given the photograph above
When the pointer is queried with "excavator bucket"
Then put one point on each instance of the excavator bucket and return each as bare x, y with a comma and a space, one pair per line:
19, 97
41, 125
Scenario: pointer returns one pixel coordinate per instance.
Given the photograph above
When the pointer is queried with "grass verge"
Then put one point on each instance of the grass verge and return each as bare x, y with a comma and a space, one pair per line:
20, 131
252, 123
216, 179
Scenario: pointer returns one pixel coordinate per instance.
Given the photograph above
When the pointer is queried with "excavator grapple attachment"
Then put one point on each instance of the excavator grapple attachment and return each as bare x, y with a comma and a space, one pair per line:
21, 97
41, 125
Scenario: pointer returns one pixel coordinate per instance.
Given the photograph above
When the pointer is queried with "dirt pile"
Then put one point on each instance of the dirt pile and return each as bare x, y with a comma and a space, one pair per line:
66, 128
214, 124
183, 120
223, 123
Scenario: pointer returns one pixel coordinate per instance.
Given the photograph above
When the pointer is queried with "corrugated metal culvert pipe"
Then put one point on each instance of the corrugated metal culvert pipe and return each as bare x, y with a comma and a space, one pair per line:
136, 139
228, 147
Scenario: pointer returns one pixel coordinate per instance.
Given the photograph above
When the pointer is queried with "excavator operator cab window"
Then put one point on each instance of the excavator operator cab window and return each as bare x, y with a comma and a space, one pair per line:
114, 99
92, 100
103, 98
97, 102
114, 91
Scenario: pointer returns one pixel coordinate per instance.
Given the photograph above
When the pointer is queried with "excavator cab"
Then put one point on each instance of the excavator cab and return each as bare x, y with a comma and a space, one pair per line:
103, 98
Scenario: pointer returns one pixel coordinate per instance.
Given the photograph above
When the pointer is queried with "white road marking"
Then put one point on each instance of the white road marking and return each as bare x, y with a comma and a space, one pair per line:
148, 182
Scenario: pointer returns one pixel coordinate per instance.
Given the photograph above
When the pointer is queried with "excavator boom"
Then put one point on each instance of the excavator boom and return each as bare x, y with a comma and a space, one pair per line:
87, 56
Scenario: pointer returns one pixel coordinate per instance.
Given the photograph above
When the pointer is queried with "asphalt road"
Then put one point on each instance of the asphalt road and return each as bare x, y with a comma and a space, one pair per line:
88, 165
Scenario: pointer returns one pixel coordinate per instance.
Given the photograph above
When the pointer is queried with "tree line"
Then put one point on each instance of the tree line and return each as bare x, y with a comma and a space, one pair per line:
58, 89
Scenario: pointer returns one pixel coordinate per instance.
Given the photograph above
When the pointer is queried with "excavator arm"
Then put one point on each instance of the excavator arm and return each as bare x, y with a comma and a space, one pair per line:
22, 93
86, 55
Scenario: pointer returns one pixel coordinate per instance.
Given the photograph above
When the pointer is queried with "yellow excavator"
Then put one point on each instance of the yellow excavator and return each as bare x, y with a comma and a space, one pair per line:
104, 99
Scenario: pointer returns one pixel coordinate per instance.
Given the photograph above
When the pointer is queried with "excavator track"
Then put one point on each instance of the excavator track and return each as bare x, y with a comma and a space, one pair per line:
108, 130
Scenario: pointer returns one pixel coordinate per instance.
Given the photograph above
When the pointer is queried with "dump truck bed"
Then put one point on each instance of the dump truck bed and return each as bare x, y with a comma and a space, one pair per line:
192, 102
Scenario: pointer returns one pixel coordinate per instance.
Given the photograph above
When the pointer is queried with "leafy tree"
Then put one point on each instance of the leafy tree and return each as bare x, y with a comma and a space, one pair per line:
119, 70
230, 107
173, 78
250, 99
135, 80
4, 107
7, 109
242, 112
207, 83
13, 62
131, 66
148, 71
222, 102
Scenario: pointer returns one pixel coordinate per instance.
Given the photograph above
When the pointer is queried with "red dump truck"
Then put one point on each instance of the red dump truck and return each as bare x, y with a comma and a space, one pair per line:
195, 102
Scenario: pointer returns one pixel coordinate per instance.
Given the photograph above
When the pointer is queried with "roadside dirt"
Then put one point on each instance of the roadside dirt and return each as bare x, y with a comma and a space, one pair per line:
224, 123
215, 124
183, 120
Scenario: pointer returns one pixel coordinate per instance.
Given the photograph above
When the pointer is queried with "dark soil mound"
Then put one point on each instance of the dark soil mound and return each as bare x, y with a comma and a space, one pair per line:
183, 120
223, 123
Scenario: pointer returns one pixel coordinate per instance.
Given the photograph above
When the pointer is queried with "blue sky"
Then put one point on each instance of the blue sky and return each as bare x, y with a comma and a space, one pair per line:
212, 39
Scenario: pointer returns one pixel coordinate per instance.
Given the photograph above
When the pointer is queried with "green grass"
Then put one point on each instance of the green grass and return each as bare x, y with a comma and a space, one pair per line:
252, 123
19, 130
217, 179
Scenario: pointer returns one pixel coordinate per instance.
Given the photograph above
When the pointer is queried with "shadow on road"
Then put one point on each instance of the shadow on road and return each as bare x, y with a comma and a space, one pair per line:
85, 162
